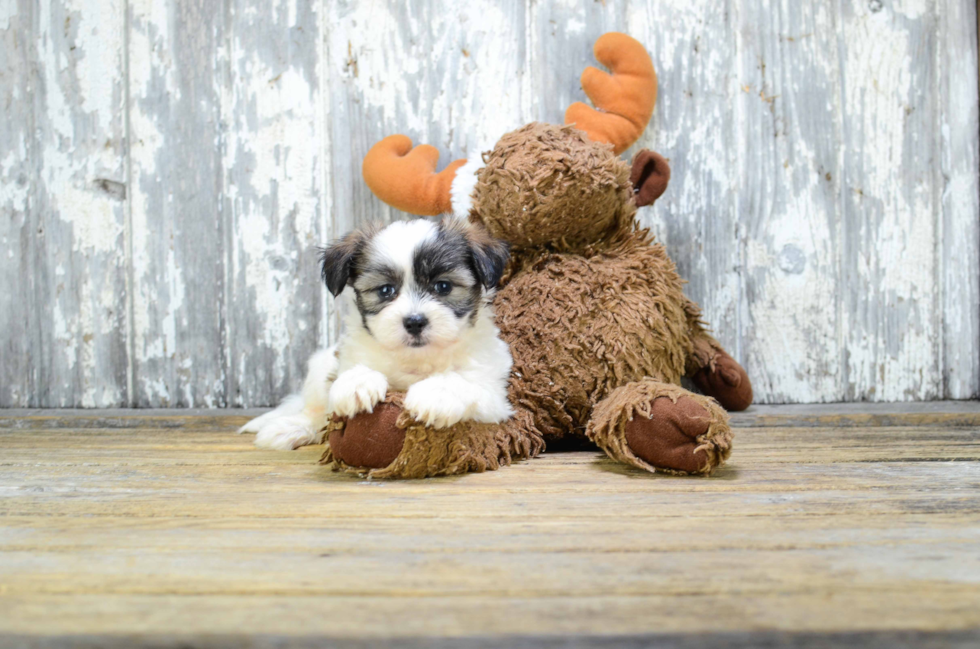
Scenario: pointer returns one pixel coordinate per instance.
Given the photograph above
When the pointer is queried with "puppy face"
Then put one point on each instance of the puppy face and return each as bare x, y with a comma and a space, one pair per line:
416, 283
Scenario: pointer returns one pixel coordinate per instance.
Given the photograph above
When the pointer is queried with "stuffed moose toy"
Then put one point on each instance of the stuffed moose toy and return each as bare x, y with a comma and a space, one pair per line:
593, 310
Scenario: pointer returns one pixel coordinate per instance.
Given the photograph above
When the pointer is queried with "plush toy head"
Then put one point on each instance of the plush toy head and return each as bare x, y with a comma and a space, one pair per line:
551, 185
563, 187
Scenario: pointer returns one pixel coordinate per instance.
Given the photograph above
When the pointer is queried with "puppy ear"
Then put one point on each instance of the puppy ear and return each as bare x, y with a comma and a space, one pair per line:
489, 256
337, 261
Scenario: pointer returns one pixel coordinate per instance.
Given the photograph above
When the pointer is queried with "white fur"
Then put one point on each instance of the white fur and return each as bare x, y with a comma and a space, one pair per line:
461, 373
356, 390
397, 242
291, 405
461, 190
300, 418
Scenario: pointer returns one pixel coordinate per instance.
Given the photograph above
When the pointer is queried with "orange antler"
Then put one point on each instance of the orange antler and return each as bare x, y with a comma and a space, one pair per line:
625, 98
405, 178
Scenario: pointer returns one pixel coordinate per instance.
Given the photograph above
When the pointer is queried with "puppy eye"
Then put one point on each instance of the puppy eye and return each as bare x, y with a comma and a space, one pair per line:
386, 291
442, 288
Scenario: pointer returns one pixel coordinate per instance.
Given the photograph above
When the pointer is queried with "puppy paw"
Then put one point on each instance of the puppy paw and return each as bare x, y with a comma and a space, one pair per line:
358, 389
436, 402
257, 424
250, 427
292, 405
287, 433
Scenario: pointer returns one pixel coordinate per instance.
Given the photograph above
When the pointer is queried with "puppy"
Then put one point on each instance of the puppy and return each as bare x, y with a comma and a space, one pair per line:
420, 321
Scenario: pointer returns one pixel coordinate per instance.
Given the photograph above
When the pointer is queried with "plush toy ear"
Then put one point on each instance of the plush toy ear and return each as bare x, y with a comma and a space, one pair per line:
489, 256
649, 175
337, 260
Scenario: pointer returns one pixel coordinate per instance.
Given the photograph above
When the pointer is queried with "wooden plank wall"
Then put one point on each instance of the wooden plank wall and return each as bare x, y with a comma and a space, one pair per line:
167, 168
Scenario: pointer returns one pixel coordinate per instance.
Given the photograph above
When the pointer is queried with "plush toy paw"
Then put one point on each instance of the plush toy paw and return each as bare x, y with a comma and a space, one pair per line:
357, 390
371, 440
388, 443
437, 402
725, 380
654, 425
668, 438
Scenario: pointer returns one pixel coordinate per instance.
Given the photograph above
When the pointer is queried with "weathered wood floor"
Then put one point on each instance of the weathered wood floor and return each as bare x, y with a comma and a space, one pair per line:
861, 529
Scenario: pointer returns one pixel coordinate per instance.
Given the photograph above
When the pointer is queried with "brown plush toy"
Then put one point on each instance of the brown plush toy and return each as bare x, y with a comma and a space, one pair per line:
593, 309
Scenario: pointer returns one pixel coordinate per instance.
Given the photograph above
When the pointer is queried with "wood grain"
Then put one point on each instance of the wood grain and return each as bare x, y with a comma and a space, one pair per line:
67, 157
273, 181
168, 169
960, 198
179, 229
19, 369
789, 97
890, 117
191, 535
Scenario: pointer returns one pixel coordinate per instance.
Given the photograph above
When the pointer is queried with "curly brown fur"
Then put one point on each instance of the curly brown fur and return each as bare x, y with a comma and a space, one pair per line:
579, 326
546, 185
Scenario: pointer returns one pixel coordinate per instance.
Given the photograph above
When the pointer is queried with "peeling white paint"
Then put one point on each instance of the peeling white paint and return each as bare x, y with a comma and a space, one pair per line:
152, 346
959, 226
64, 338
574, 27
95, 221
912, 9
8, 10
460, 87
78, 144
14, 195
272, 157
892, 351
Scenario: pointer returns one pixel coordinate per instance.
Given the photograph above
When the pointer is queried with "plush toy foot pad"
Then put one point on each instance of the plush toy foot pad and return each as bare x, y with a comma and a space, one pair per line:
660, 426
371, 439
725, 380
669, 437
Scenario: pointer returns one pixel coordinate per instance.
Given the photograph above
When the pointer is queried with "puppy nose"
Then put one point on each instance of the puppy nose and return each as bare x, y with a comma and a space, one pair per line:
415, 323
